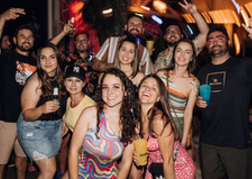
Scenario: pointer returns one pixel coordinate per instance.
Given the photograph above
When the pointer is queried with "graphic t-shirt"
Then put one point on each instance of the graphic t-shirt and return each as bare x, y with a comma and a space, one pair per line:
225, 122
14, 71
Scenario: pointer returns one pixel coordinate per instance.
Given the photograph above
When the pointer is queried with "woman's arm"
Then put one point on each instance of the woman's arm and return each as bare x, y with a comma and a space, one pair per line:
194, 90
79, 132
166, 145
29, 100
125, 164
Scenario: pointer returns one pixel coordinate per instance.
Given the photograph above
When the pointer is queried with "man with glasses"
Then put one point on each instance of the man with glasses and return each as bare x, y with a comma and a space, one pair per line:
174, 33
106, 56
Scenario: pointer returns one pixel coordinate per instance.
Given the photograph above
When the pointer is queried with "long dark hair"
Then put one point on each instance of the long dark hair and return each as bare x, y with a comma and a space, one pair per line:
129, 112
134, 63
192, 65
46, 86
161, 105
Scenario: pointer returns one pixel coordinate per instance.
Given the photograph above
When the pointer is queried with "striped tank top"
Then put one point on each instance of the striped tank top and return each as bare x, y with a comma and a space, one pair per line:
98, 156
177, 103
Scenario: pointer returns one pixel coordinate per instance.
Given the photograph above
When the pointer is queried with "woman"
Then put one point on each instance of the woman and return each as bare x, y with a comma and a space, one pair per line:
159, 129
127, 59
40, 123
182, 86
75, 81
104, 133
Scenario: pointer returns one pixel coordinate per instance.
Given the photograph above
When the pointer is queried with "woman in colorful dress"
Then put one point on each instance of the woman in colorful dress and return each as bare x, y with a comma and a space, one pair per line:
160, 131
40, 123
127, 59
102, 141
182, 86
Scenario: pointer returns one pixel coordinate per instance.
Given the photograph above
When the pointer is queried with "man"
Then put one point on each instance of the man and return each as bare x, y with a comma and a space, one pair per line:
5, 42
15, 67
80, 56
225, 136
173, 34
105, 58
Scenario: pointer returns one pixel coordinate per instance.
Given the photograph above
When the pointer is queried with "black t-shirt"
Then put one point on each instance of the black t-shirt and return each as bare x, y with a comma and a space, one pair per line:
225, 122
14, 71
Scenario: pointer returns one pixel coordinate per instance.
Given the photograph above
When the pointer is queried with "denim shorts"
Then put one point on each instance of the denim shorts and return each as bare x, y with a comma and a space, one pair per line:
40, 139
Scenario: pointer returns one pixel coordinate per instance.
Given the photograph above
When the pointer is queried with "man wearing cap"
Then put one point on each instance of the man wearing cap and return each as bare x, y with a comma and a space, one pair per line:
15, 67
106, 56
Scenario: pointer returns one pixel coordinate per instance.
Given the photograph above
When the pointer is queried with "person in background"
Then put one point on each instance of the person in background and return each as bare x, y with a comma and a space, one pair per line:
174, 33
15, 67
182, 87
127, 60
43, 105
112, 123
160, 131
5, 42
75, 80
225, 138
106, 56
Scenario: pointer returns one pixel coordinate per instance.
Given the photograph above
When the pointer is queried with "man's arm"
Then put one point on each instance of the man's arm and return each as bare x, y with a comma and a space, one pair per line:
10, 14
67, 27
248, 29
200, 22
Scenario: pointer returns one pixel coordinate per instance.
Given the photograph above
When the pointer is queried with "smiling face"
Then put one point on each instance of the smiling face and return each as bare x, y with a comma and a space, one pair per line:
183, 54
112, 91
134, 26
81, 43
74, 85
217, 44
126, 53
148, 92
24, 40
172, 35
48, 61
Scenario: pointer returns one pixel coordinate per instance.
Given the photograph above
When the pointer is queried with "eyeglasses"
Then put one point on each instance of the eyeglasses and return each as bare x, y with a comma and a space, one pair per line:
131, 24
177, 32
81, 40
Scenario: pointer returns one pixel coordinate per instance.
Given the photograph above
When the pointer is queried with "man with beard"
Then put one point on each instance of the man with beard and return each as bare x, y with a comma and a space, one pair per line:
106, 56
224, 140
174, 33
15, 67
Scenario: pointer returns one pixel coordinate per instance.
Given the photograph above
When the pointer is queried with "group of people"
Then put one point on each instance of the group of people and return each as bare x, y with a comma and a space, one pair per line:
103, 103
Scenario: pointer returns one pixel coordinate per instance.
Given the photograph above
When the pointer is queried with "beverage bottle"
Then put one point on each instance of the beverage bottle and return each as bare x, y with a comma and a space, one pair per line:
55, 97
70, 33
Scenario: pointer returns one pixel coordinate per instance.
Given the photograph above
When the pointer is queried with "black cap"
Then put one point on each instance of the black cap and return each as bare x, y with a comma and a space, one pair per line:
75, 71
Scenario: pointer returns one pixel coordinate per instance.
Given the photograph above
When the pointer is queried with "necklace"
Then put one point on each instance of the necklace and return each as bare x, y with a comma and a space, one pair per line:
52, 78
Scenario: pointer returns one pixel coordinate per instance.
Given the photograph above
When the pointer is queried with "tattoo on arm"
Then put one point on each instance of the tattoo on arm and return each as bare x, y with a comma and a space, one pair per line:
103, 65
195, 86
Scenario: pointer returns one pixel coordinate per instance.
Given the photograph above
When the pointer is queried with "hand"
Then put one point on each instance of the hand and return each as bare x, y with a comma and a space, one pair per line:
68, 27
12, 13
64, 129
135, 159
191, 8
201, 103
90, 87
50, 107
248, 29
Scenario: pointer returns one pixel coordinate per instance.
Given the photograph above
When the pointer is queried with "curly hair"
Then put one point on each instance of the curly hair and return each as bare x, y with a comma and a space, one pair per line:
46, 86
129, 111
161, 105
134, 63
192, 65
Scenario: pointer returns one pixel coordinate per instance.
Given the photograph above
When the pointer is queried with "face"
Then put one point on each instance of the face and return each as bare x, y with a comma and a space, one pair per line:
217, 44
81, 43
74, 85
112, 91
172, 35
126, 53
183, 54
48, 61
6, 43
135, 26
148, 92
24, 41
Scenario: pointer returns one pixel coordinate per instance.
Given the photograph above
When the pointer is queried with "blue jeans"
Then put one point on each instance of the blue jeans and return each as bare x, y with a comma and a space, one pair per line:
40, 139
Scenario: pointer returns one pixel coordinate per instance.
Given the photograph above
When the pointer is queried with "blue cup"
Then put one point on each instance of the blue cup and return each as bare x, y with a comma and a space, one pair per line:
205, 91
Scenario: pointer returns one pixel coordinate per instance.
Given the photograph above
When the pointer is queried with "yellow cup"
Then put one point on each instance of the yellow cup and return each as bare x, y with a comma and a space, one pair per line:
149, 45
141, 151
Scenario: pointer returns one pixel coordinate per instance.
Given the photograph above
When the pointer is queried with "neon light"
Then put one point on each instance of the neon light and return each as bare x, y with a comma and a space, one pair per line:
146, 8
157, 19
190, 29
107, 11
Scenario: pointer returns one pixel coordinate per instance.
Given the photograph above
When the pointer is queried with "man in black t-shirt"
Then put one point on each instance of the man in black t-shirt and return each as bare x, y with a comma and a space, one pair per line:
15, 67
225, 121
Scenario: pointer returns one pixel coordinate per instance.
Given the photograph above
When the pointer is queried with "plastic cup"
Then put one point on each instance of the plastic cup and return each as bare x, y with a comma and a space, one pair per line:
141, 151
205, 92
